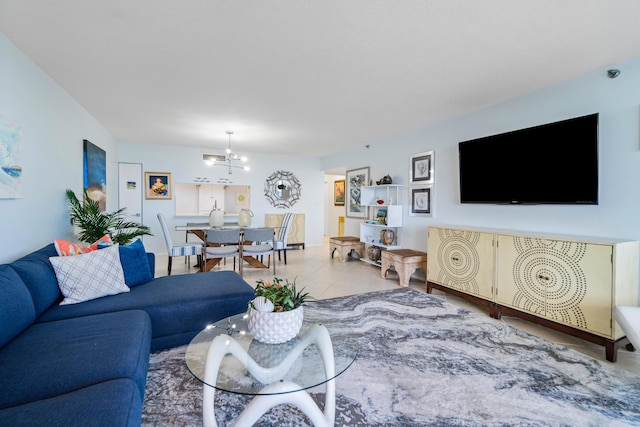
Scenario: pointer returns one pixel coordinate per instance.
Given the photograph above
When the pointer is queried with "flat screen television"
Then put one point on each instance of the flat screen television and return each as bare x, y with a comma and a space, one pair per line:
555, 163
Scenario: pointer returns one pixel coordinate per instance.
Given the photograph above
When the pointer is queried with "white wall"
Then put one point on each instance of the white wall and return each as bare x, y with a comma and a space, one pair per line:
185, 163
331, 212
618, 212
53, 127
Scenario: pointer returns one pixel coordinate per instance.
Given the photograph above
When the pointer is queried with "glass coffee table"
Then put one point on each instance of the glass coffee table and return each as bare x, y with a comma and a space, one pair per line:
224, 356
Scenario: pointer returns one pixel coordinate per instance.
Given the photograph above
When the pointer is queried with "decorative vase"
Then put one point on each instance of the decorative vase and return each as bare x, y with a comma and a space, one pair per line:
244, 218
373, 253
275, 327
387, 236
216, 218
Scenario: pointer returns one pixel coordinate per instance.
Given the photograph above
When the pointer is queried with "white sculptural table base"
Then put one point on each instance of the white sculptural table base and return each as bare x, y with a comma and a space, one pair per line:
233, 364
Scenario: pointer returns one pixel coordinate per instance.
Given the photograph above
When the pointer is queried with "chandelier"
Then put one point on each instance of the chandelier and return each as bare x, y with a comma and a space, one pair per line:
226, 160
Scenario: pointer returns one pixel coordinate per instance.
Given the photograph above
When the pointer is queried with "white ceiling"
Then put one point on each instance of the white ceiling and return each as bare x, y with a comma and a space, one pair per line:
308, 77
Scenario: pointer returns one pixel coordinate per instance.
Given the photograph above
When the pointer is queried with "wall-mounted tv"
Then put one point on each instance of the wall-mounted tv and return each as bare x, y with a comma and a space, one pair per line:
555, 163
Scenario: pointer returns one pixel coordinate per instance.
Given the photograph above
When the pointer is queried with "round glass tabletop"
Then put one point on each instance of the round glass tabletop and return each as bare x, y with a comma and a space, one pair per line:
307, 370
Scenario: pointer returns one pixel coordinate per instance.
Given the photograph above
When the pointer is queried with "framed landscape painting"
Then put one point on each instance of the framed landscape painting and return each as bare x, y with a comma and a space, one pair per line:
356, 179
420, 201
421, 168
158, 185
338, 192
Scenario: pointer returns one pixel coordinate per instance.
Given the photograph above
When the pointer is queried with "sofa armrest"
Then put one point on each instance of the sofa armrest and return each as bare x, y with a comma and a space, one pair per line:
152, 263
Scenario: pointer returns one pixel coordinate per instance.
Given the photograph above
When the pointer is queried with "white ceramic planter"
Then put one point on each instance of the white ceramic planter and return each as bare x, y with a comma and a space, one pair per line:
275, 327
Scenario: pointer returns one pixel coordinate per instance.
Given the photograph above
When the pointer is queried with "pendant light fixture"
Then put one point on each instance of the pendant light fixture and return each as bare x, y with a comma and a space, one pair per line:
226, 160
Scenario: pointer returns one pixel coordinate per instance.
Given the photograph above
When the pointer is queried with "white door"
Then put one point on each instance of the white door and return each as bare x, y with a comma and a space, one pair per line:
130, 188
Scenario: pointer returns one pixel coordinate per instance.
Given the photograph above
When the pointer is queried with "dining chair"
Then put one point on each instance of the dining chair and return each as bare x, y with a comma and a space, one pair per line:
280, 241
259, 242
183, 249
628, 318
219, 244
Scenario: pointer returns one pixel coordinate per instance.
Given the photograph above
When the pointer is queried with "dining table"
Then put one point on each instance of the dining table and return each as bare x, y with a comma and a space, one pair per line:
199, 229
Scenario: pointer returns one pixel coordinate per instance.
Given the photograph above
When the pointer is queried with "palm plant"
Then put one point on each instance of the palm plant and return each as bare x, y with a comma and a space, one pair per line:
94, 223
285, 297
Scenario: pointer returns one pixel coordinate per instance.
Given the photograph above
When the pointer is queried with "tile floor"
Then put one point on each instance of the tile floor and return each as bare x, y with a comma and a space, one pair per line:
325, 278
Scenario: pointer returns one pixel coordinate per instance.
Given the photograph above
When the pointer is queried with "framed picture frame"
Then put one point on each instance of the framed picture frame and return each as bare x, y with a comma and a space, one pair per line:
421, 168
355, 180
157, 185
94, 160
338, 192
420, 202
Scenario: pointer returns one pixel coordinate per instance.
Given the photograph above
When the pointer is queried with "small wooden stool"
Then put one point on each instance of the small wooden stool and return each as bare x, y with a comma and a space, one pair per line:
405, 262
344, 245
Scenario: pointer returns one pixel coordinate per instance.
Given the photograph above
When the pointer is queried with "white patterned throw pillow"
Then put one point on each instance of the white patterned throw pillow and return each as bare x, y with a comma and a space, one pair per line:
89, 276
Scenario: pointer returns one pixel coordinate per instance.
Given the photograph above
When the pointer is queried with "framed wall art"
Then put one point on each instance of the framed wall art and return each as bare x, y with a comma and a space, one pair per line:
421, 168
158, 185
355, 180
338, 192
420, 200
95, 173
10, 159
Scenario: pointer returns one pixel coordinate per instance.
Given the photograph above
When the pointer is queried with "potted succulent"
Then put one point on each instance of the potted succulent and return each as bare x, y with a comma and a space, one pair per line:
276, 313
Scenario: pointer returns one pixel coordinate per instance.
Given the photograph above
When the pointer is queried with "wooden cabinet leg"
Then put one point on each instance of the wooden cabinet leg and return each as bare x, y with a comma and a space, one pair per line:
495, 312
611, 351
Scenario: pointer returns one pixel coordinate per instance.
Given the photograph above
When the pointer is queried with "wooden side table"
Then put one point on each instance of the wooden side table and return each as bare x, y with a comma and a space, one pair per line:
344, 245
405, 262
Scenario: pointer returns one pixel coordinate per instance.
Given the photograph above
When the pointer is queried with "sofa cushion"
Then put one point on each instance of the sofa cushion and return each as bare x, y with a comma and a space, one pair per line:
88, 276
65, 248
151, 257
135, 264
54, 358
16, 307
180, 306
111, 403
37, 274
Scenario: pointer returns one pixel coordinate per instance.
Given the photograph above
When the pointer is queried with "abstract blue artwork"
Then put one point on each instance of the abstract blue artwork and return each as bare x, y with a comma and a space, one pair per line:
10, 159
95, 173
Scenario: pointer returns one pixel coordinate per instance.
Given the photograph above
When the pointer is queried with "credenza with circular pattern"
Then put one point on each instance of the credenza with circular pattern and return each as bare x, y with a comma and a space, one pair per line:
567, 283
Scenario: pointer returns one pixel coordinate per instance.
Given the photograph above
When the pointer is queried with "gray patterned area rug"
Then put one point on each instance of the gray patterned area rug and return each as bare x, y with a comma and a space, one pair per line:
423, 361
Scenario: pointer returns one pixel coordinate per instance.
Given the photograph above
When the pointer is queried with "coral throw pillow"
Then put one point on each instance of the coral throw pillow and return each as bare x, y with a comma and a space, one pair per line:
88, 276
65, 248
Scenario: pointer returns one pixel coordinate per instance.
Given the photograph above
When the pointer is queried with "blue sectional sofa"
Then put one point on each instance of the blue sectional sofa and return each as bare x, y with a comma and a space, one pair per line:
86, 363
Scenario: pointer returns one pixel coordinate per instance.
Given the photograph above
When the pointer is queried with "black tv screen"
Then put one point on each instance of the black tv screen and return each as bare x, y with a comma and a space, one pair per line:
556, 163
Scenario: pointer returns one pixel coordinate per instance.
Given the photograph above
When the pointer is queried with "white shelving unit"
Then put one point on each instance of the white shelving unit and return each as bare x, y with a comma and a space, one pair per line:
386, 198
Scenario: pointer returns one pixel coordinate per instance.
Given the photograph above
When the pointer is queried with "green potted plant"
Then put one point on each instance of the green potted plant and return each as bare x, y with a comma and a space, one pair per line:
276, 313
284, 297
94, 223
